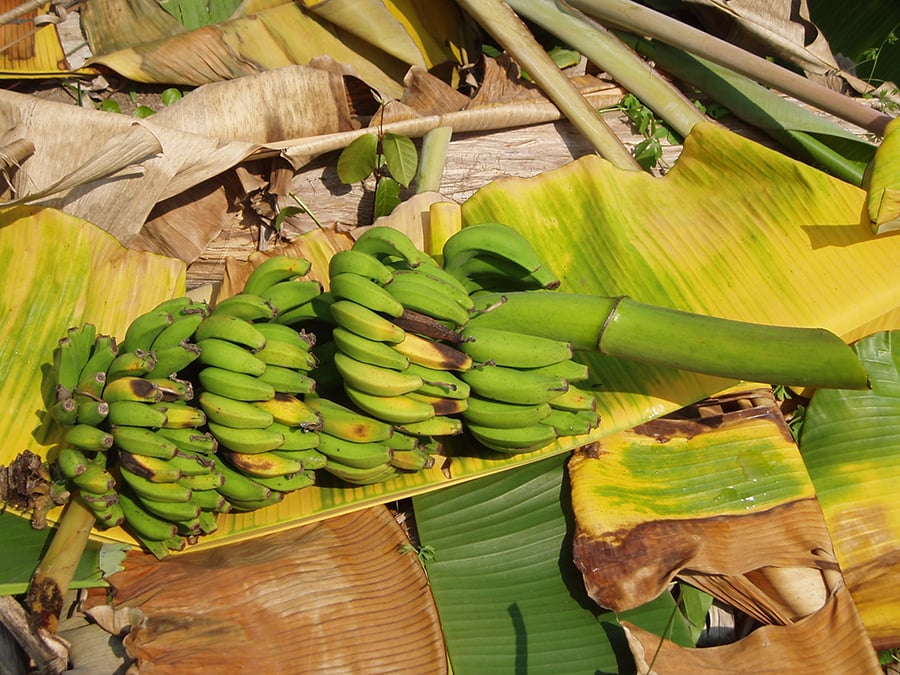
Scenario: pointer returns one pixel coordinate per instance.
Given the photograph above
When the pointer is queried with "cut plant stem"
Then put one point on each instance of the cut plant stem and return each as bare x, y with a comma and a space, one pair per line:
625, 328
633, 17
498, 19
55, 572
607, 51
432, 159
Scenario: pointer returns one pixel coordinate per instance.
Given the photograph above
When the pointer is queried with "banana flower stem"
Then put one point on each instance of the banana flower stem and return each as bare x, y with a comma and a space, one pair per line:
624, 328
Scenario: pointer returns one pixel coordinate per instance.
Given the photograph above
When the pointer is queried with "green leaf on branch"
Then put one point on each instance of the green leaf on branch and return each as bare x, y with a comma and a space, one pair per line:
387, 196
401, 157
358, 160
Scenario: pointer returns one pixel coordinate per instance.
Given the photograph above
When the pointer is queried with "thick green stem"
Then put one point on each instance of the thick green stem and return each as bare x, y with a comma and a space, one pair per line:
607, 51
56, 570
624, 328
513, 35
641, 20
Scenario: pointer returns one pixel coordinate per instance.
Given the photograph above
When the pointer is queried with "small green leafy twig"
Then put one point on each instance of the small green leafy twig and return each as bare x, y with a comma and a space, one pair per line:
649, 151
425, 553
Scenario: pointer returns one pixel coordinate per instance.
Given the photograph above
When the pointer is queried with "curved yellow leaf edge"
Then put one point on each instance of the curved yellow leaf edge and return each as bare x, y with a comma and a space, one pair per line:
882, 182
61, 271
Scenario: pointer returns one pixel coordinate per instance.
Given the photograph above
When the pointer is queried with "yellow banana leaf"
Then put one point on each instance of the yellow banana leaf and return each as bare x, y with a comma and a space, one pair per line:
60, 271
721, 499
734, 230
32, 49
143, 42
882, 181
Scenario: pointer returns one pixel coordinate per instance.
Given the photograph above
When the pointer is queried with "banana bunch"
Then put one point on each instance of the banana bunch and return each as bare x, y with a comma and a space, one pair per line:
252, 379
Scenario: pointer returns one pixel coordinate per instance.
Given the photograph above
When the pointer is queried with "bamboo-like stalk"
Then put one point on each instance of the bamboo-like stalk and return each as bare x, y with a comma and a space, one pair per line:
498, 19
607, 51
432, 159
625, 328
54, 574
635, 18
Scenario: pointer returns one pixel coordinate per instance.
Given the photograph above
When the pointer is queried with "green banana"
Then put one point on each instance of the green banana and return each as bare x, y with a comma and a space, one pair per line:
181, 329
572, 422
574, 399
90, 411
65, 411
492, 273
394, 409
348, 424
359, 262
132, 388
449, 284
172, 360
180, 415
67, 367
209, 522
239, 487
433, 354
288, 295
246, 306
131, 364
570, 370
229, 356
501, 415
440, 383
273, 270
108, 513
262, 464
311, 459
288, 380
421, 293
93, 374
357, 476
288, 483
232, 384
512, 385
87, 437
365, 323
82, 339
439, 425
358, 455
154, 469
71, 462
286, 355
164, 492
245, 440
414, 459
192, 464
295, 438
441, 404
278, 331
512, 349
142, 331
240, 505
492, 239
172, 388
386, 242
144, 441
209, 500
173, 511
190, 440
369, 351
231, 329
317, 309
135, 414
365, 292
233, 413
374, 379
95, 480
518, 439
142, 523
291, 411
203, 482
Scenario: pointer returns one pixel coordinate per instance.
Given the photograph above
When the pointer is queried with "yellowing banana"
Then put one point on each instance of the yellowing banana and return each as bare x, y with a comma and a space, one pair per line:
233, 413
374, 379
291, 411
342, 422
262, 464
432, 353
395, 409
365, 323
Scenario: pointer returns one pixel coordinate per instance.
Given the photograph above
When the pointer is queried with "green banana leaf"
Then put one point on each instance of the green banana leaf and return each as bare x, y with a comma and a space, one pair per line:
882, 183
499, 562
849, 446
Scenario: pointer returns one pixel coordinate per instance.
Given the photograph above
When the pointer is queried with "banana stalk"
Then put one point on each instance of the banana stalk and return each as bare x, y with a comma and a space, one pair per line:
513, 35
54, 574
624, 328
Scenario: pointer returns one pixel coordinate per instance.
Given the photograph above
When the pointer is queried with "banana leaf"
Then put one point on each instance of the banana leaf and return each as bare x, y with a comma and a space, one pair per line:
849, 446
142, 41
499, 562
882, 184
